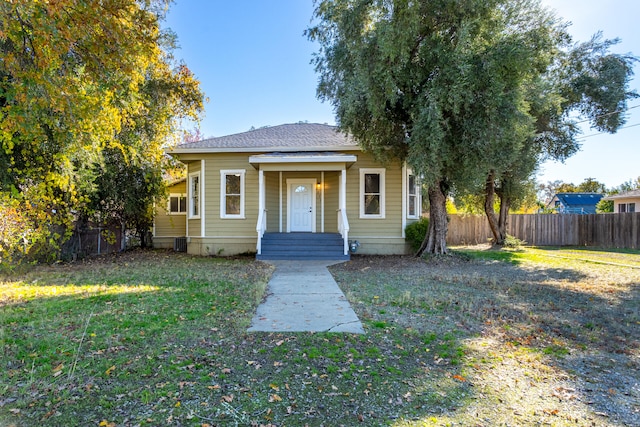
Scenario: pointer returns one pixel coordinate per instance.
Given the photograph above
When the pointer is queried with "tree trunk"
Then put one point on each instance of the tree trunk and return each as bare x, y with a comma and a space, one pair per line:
435, 241
489, 201
505, 205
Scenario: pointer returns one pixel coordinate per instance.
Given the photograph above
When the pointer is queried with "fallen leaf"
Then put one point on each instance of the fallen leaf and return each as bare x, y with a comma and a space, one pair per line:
459, 378
228, 398
110, 370
274, 387
274, 398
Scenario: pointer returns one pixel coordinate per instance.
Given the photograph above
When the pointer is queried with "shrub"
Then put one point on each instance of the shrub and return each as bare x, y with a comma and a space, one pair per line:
415, 232
28, 233
513, 242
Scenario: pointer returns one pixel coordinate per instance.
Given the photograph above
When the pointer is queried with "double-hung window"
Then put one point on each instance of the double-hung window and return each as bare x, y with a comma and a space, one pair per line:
194, 195
372, 193
413, 199
232, 193
177, 204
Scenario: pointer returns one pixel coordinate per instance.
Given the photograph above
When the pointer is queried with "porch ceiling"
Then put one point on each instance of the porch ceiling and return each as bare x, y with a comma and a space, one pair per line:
302, 161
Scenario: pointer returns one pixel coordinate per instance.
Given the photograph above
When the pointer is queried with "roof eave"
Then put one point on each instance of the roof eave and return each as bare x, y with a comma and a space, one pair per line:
209, 150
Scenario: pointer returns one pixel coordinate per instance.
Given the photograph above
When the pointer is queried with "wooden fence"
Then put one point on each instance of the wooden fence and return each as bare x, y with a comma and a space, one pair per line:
612, 230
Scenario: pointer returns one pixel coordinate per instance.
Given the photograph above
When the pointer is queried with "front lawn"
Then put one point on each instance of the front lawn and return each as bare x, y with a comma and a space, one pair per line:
478, 338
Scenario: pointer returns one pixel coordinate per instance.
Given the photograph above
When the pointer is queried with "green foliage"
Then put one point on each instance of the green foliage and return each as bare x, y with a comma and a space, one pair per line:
513, 242
28, 233
415, 233
604, 206
80, 80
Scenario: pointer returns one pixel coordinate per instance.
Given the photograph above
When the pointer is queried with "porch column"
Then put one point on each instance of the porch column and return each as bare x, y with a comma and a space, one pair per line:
343, 190
342, 202
261, 213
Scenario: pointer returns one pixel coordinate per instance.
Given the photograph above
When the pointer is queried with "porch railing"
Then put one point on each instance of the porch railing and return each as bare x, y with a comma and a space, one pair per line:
343, 228
261, 227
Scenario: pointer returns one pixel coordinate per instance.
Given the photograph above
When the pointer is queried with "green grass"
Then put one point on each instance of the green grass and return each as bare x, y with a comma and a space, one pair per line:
156, 338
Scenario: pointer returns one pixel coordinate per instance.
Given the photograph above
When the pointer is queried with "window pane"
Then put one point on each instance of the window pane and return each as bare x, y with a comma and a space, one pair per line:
173, 204
372, 204
371, 183
195, 195
412, 205
632, 207
621, 208
233, 205
412, 184
183, 204
233, 184
195, 185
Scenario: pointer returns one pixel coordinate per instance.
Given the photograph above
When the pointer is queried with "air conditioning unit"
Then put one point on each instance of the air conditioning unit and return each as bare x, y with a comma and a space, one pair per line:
180, 244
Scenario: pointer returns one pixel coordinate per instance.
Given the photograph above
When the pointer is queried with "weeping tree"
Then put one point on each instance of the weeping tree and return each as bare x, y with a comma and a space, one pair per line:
586, 82
442, 85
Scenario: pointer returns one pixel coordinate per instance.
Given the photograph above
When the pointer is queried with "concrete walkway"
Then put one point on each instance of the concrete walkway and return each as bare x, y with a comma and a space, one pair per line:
303, 297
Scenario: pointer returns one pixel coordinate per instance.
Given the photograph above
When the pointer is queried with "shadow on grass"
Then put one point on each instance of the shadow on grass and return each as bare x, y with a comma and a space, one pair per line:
558, 315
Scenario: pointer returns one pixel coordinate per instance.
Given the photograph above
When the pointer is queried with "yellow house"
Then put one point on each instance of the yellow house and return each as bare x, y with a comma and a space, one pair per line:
628, 201
170, 222
294, 191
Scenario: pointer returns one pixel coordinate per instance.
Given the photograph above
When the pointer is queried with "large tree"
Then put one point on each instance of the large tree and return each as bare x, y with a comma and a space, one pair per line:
440, 84
78, 79
585, 82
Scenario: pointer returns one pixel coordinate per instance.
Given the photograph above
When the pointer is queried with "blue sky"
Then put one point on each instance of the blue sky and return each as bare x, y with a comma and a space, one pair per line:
254, 66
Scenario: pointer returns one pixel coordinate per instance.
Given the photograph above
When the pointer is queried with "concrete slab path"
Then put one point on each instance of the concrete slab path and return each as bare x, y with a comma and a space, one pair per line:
302, 296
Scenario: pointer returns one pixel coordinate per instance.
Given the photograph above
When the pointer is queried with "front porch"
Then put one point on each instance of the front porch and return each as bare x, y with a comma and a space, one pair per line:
302, 206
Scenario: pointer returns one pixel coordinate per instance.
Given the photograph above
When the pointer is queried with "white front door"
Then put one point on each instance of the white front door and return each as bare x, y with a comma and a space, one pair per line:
302, 205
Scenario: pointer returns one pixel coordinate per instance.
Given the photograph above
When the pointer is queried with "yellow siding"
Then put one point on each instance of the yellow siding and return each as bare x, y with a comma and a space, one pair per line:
272, 201
193, 224
216, 226
167, 225
331, 197
391, 225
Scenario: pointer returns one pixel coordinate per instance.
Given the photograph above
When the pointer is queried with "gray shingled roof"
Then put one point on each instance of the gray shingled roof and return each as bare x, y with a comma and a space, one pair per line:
625, 195
288, 137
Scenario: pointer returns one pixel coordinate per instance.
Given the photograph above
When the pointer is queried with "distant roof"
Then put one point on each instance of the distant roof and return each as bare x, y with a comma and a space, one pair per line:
626, 195
288, 137
578, 202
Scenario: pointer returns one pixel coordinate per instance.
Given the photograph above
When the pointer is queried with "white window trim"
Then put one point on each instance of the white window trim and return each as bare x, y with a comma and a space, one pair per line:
418, 206
223, 193
179, 196
193, 175
381, 172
